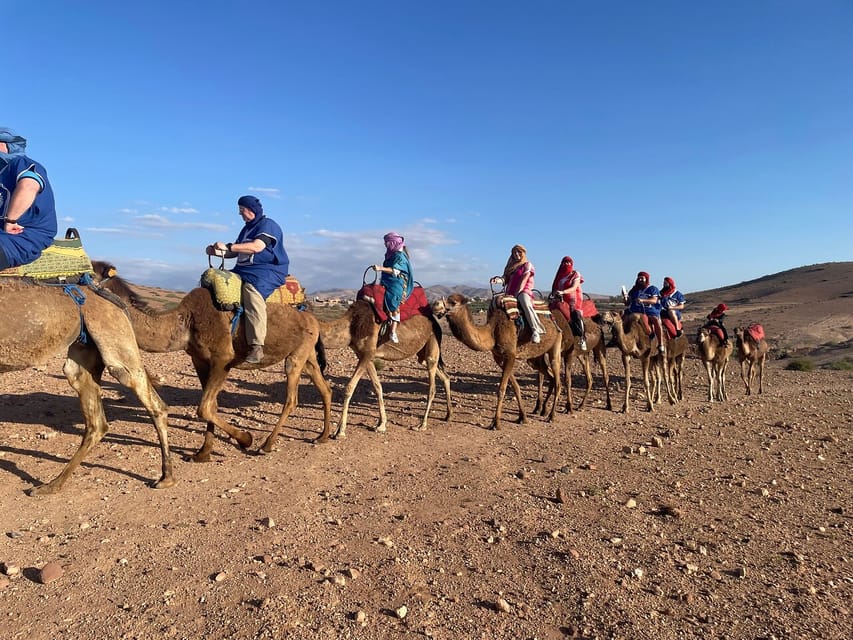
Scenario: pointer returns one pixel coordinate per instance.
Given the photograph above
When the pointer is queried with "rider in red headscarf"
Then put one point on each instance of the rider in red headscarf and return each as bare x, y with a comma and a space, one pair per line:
672, 301
715, 319
567, 285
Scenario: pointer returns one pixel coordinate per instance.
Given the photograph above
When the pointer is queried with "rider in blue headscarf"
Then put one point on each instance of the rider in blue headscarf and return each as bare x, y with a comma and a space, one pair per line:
27, 209
397, 278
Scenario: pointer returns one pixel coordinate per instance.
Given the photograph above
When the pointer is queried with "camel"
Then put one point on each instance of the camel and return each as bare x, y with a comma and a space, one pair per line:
596, 345
751, 355
46, 320
500, 336
715, 357
672, 365
204, 332
630, 335
357, 329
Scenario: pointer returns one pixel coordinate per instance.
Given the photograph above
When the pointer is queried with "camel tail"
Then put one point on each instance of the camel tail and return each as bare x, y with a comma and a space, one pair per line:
320, 350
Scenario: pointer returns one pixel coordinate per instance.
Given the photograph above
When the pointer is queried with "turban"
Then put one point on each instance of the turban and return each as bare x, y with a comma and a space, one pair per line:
252, 204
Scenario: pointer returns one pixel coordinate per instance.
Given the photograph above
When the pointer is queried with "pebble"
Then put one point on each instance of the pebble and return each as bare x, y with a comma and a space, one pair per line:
11, 569
502, 606
402, 611
631, 503
657, 441
269, 523
15, 534
560, 497
352, 573
50, 572
740, 572
219, 577
360, 616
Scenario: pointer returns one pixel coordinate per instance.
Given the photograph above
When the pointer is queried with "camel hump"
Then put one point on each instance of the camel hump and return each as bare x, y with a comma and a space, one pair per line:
756, 332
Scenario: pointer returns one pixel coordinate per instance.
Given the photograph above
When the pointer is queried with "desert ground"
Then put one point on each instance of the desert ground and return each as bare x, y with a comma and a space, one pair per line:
698, 520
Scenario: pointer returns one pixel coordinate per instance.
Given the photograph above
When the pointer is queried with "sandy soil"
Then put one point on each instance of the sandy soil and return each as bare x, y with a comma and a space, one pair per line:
724, 520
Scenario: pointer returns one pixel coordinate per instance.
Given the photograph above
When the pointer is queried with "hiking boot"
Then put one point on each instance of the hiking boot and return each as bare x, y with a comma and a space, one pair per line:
256, 355
394, 337
583, 344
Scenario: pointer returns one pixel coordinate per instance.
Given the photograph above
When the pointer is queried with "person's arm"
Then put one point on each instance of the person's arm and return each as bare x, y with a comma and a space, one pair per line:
22, 199
232, 249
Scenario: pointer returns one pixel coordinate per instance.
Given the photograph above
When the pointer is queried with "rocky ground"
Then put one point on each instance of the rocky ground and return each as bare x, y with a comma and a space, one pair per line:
724, 520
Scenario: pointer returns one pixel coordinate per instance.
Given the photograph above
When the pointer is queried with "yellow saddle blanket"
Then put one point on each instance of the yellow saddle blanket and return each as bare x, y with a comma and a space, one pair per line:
63, 259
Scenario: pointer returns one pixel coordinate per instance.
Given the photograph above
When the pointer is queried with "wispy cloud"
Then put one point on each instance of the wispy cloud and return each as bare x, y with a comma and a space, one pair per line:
269, 192
179, 209
154, 220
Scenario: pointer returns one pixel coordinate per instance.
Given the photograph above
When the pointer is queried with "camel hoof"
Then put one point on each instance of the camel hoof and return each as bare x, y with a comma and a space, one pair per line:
164, 483
42, 490
340, 436
321, 439
198, 457
381, 429
245, 440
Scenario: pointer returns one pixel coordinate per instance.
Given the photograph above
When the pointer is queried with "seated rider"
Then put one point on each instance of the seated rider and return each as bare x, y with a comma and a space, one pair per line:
518, 281
672, 301
27, 210
715, 319
397, 278
567, 285
645, 298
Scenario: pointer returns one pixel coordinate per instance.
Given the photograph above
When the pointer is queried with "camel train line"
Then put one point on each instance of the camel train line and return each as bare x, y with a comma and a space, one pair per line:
97, 332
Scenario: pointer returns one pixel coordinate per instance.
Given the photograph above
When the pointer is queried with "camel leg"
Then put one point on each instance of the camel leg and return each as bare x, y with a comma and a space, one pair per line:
293, 371
761, 374
587, 369
432, 367
445, 379
626, 362
325, 390
746, 374
136, 378
382, 425
710, 381
556, 361
507, 377
602, 359
83, 369
647, 365
341, 431
213, 378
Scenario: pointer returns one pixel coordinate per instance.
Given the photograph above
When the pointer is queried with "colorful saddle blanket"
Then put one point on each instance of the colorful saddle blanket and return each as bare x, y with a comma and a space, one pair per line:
415, 305
510, 305
291, 292
756, 332
588, 307
62, 260
226, 289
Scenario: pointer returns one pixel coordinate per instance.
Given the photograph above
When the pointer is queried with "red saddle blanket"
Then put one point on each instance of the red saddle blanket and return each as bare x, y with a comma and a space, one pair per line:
415, 305
671, 331
588, 307
756, 332
717, 332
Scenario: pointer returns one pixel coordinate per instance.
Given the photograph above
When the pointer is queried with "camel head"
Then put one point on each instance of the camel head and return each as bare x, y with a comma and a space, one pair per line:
449, 305
703, 335
103, 270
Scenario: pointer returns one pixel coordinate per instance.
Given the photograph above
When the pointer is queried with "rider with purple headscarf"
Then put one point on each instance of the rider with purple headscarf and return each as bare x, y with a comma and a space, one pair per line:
396, 277
27, 211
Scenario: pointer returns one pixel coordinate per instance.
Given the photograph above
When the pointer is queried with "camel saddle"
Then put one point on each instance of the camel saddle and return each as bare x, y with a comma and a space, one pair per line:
587, 307
716, 331
226, 289
62, 261
671, 330
510, 305
415, 304
756, 332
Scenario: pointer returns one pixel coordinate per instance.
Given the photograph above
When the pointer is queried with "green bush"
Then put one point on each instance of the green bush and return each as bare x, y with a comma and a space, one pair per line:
840, 365
800, 364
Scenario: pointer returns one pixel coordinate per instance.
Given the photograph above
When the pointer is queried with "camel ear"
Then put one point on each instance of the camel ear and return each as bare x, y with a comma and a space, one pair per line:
111, 272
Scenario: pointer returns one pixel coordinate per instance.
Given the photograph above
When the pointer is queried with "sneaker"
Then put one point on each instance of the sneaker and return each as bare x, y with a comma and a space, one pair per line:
679, 333
661, 349
394, 337
583, 344
256, 355
537, 337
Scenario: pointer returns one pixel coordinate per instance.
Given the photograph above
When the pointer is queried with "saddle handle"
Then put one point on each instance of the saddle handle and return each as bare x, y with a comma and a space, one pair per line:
72, 234
375, 275
221, 264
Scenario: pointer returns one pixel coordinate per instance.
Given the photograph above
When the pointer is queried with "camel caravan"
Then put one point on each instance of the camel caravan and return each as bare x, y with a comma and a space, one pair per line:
101, 323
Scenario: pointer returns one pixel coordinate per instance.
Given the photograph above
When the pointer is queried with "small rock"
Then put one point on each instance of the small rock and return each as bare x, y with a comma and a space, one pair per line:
269, 523
339, 580
15, 534
50, 572
560, 497
631, 503
360, 616
657, 441
402, 611
352, 573
11, 569
219, 577
740, 572
574, 553
716, 575
639, 573
502, 606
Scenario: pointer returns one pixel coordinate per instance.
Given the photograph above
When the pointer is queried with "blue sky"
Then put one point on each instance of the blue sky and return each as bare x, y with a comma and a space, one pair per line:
711, 142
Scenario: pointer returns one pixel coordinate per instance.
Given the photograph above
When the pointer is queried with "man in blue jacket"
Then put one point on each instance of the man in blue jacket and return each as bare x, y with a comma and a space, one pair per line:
27, 209
262, 264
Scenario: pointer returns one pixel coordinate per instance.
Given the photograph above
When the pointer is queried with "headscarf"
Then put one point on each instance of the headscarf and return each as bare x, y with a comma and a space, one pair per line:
719, 310
252, 204
17, 144
394, 242
668, 286
512, 264
566, 267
